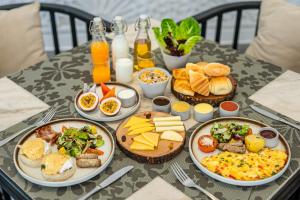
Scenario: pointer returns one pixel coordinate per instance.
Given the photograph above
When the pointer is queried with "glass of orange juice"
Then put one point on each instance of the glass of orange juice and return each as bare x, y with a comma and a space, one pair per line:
146, 60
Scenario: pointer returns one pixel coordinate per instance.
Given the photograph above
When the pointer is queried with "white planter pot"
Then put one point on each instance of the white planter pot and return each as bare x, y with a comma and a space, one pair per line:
173, 62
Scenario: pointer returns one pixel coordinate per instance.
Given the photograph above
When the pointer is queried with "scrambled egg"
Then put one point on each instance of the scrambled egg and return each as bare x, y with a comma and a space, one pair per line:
248, 166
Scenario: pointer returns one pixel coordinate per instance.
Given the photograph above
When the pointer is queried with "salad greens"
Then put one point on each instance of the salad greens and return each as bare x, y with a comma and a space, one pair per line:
178, 40
224, 132
75, 141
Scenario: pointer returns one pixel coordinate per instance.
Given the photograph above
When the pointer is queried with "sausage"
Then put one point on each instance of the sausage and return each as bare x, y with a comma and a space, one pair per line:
232, 147
87, 156
88, 163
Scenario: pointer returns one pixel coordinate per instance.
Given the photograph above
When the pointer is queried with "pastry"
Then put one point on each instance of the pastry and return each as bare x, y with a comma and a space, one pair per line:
180, 74
199, 83
183, 87
194, 67
201, 64
220, 85
216, 69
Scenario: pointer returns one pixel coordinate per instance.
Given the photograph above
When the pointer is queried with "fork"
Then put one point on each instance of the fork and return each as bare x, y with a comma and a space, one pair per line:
187, 181
41, 122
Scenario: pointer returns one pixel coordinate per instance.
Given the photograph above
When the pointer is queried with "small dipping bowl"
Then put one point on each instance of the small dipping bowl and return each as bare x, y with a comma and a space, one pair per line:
270, 136
203, 112
182, 109
229, 109
127, 97
161, 104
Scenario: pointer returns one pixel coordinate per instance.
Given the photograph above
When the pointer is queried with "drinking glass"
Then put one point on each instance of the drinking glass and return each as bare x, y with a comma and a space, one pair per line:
146, 60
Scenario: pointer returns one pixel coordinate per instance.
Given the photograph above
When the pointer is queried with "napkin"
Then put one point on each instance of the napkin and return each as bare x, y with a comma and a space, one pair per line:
158, 189
132, 33
281, 95
17, 104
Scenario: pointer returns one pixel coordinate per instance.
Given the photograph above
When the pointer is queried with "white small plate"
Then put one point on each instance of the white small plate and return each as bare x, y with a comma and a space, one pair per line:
198, 155
97, 115
34, 175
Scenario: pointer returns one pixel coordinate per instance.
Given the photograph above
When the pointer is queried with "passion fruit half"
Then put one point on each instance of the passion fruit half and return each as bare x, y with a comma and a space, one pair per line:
110, 106
88, 101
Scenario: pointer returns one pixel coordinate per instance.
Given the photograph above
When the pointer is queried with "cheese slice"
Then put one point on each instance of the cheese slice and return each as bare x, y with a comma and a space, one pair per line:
168, 123
172, 118
171, 135
153, 138
140, 146
141, 125
169, 128
135, 120
140, 130
142, 140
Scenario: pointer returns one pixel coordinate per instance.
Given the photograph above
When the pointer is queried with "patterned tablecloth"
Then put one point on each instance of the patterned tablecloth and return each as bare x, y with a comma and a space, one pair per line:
58, 80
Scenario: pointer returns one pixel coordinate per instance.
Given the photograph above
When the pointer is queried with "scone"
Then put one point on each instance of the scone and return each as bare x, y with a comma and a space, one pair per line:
216, 69
183, 87
199, 83
180, 74
220, 85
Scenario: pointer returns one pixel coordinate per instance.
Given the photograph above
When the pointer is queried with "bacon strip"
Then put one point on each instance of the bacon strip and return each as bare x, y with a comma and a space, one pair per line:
47, 134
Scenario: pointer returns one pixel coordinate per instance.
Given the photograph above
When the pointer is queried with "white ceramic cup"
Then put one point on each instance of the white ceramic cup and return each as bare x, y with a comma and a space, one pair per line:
227, 113
270, 142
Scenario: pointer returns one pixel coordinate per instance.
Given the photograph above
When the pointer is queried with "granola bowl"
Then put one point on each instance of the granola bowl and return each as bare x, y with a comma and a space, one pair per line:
153, 81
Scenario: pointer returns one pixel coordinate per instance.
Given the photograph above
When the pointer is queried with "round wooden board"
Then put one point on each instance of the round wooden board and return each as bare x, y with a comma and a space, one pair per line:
214, 100
160, 154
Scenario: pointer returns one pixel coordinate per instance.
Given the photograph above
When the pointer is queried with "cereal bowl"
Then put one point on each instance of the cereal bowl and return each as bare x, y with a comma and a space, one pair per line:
153, 81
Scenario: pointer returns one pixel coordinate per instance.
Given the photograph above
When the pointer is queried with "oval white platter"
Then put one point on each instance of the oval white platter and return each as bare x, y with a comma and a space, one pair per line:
97, 115
204, 129
82, 174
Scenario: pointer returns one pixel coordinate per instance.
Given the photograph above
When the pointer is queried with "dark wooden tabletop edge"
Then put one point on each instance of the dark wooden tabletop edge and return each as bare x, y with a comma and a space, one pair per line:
12, 188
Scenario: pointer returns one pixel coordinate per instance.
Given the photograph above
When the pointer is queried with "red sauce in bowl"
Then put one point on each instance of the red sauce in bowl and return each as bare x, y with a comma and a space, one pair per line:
229, 106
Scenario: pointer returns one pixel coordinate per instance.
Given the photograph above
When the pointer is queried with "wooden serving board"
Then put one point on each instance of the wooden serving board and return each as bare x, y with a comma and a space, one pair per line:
214, 100
160, 154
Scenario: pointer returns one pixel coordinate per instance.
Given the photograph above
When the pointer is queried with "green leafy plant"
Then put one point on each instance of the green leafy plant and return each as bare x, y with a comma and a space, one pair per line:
178, 40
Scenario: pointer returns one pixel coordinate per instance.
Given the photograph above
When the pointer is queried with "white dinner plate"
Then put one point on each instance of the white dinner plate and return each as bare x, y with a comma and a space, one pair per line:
97, 115
34, 175
204, 129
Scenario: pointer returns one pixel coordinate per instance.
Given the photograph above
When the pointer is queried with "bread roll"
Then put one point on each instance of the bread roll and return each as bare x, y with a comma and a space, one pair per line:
216, 69
199, 83
220, 85
183, 87
194, 67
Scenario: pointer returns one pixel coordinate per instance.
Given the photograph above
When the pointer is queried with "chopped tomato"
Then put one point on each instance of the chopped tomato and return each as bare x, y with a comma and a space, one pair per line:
104, 89
207, 143
94, 151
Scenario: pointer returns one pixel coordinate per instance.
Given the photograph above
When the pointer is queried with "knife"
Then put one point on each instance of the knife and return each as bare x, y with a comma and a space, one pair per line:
273, 116
112, 178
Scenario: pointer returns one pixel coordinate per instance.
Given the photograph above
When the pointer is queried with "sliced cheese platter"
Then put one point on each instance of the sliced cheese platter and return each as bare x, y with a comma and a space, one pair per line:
151, 137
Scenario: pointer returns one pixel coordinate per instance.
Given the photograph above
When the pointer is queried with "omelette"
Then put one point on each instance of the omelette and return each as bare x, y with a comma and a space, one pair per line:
247, 167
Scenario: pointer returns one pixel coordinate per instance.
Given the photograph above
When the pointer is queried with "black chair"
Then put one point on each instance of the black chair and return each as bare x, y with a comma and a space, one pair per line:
218, 12
73, 14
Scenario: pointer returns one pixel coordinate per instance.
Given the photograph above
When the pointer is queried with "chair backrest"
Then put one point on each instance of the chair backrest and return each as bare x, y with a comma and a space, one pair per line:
73, 14
218, 12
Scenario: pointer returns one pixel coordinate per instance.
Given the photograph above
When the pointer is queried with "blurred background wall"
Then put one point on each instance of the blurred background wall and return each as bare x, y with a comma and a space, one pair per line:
131, 9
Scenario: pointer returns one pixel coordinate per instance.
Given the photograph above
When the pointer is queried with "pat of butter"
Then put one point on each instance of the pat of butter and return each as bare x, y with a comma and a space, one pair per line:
203, 108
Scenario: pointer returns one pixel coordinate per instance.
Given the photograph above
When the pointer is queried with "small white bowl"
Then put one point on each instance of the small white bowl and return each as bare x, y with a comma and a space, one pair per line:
184, 115
173, 62
152, 90
203, 116
161, 108
270, 142
127, 97
229, 113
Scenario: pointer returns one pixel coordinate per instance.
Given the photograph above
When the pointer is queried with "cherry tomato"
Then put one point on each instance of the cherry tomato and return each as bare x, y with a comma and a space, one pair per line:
202, 143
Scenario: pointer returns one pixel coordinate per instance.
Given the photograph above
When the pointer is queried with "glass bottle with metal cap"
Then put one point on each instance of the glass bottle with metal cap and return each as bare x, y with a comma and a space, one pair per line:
120, 48
99, 52
142, 44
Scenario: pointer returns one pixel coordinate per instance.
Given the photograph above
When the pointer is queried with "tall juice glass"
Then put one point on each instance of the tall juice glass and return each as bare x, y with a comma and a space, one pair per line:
99, 52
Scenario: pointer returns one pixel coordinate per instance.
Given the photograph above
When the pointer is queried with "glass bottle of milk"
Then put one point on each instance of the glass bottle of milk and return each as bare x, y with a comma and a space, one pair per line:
120, 48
